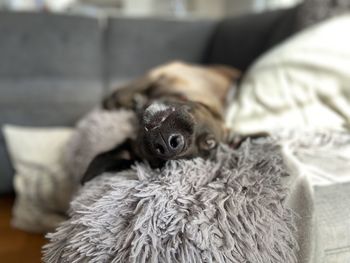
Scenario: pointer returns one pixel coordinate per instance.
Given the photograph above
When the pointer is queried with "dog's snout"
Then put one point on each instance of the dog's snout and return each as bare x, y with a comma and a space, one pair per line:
166, 133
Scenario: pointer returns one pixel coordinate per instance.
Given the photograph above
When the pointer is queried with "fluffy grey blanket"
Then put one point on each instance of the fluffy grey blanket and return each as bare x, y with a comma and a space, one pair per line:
228, 210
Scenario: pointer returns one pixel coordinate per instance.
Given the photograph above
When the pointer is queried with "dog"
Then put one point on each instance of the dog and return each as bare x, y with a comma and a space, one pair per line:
180, 108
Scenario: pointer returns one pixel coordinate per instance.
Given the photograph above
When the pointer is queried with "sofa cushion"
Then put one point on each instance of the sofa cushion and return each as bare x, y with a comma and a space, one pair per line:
43, 188
301, 84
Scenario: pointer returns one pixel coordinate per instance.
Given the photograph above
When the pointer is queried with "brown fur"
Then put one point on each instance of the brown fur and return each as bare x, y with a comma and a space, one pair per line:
206, 84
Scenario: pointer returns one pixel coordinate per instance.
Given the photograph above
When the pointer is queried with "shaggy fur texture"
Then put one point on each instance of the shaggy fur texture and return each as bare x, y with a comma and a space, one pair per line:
97, 132
228, 210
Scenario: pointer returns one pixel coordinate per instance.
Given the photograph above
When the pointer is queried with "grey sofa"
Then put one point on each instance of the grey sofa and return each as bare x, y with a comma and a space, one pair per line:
55, 68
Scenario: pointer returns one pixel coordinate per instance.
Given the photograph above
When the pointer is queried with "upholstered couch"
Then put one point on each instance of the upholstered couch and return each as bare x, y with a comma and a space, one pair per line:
54, 68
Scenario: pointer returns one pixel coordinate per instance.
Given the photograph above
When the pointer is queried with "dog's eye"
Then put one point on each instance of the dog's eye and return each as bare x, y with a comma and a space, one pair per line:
179, 96
183, 97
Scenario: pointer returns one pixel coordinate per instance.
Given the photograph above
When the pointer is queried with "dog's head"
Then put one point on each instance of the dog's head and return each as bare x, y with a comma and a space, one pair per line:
173, 129
181, 111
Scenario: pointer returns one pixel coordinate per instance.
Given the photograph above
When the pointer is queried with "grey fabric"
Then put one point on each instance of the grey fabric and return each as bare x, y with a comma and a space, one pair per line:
50, 72
238, 41
46, 45
134, 45
228, 210
47, 102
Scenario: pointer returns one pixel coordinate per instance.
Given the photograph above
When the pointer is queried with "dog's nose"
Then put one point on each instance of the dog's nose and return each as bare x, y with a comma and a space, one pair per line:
166, 131
169, 146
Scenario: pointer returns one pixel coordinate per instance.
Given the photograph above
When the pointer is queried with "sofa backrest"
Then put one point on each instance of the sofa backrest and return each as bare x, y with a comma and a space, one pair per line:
50, 72
54, 68
238, 41
134, 45
48, 63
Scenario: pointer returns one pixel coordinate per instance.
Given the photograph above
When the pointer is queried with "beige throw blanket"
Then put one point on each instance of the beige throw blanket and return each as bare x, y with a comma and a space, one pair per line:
304, 84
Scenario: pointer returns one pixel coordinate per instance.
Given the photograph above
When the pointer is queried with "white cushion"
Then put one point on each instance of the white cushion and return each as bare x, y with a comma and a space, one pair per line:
303, 83
43, 188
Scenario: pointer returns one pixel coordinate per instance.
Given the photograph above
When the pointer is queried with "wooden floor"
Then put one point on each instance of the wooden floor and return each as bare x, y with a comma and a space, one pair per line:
17, 246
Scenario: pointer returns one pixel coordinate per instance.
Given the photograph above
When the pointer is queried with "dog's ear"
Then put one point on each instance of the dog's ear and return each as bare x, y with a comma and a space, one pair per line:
228, 81
232, 74
117, 159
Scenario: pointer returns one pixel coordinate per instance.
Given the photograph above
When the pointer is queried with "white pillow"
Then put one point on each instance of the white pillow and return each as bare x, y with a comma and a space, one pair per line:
303, 83
43, 188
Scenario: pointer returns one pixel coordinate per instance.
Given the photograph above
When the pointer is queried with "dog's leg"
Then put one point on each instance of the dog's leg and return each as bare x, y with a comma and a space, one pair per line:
120, 158
128, 96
